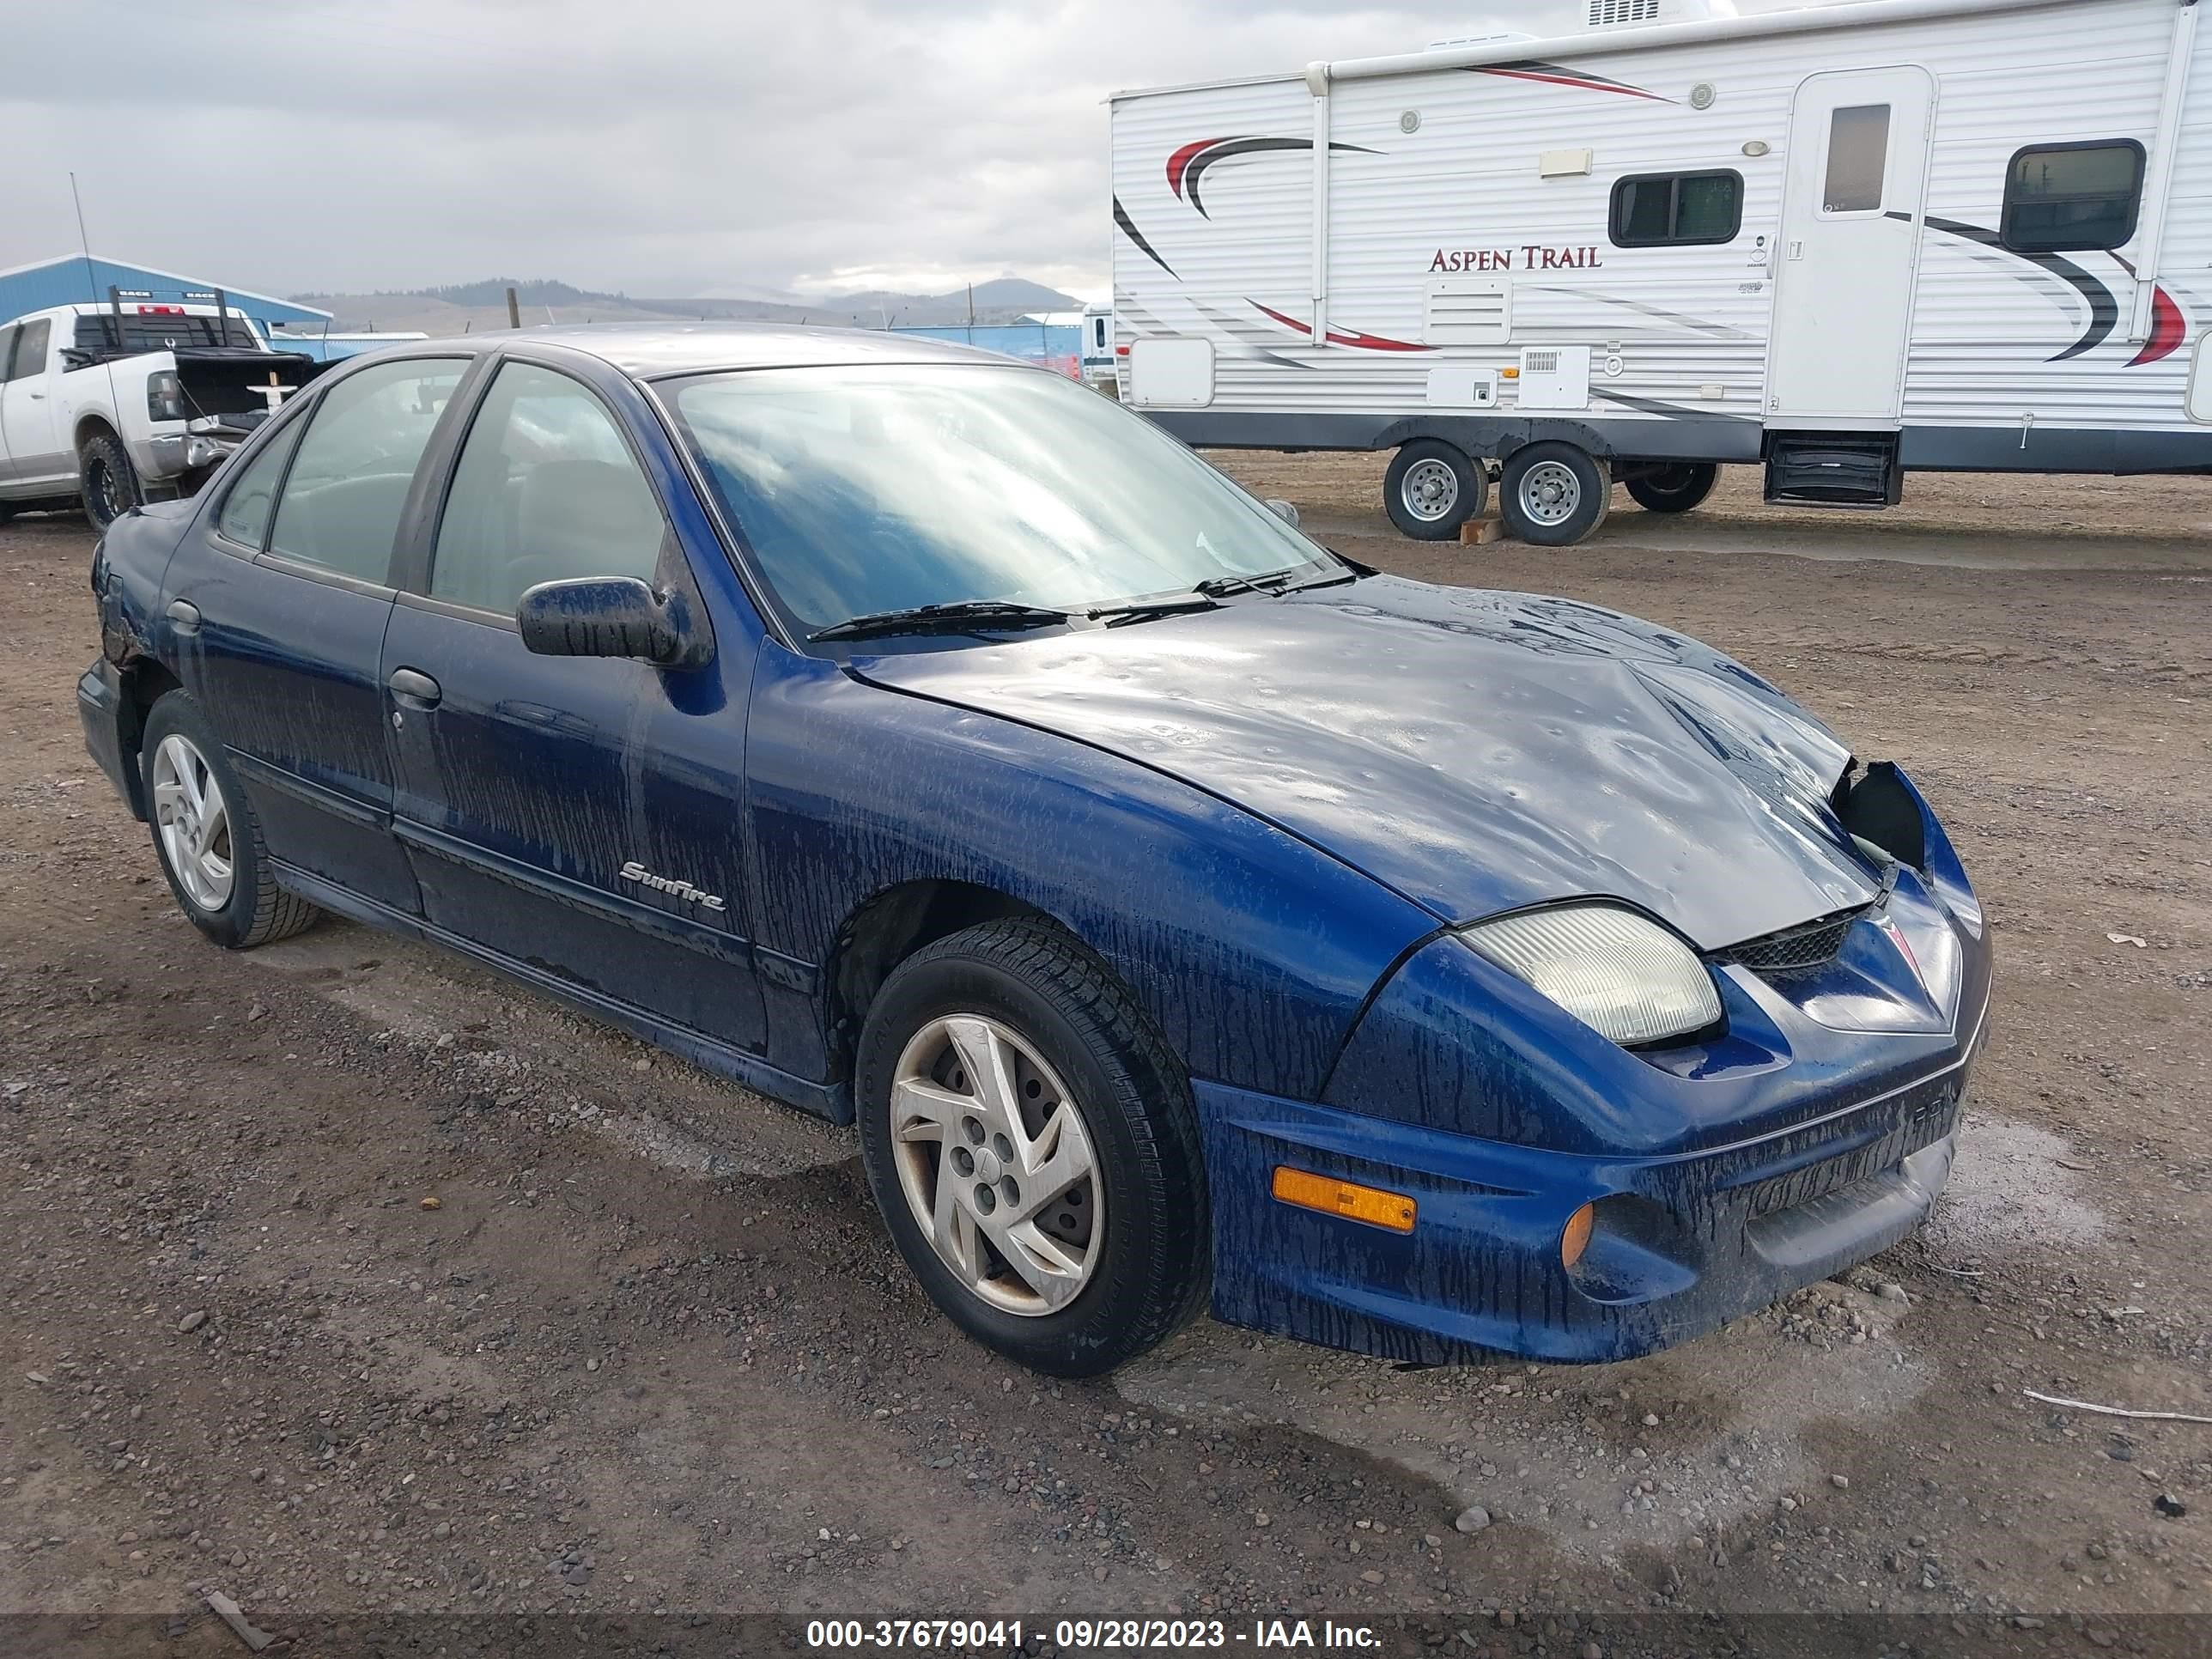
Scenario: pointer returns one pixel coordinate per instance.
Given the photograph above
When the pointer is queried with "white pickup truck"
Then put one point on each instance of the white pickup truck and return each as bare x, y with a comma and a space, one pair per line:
131, 401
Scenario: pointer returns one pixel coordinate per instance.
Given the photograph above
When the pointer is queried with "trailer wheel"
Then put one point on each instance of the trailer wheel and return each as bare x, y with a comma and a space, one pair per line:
1675, 487
108, 481
1553, 495
1432, 488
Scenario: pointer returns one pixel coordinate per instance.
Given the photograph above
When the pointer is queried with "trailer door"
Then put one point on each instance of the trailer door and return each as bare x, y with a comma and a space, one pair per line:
1850, 246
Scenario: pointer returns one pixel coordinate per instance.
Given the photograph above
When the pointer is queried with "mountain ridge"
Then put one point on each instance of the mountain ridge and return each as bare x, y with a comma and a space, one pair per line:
464, 307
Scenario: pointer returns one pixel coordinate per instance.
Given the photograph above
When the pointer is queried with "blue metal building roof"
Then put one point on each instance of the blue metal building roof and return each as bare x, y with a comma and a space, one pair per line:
65, 281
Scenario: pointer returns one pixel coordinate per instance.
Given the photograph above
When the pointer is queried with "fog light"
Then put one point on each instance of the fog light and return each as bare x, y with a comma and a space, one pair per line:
1575, 1239
1330, 1197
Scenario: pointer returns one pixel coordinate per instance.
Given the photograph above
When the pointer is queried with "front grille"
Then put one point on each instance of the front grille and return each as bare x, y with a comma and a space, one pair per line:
1794, 950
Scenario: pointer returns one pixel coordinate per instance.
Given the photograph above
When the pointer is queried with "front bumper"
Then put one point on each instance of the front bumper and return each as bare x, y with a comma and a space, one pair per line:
1682, 1243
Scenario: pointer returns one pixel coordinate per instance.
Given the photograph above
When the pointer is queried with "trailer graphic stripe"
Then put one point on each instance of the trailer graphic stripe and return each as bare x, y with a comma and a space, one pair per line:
1129, 229
2103, 309
1188, 164
2169, 328
1364, 342
1553, 75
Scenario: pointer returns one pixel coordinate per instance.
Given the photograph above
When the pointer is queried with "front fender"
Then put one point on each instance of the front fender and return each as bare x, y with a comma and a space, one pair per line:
1250, 950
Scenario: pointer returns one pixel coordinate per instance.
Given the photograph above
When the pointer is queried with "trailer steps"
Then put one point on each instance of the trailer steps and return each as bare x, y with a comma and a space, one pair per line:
1833, 468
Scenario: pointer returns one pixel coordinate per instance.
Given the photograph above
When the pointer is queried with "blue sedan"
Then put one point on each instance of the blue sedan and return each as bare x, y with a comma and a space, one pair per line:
1180, 910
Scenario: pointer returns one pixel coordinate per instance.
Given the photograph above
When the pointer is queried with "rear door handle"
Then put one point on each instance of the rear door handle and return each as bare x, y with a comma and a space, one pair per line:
414, 686
185, 614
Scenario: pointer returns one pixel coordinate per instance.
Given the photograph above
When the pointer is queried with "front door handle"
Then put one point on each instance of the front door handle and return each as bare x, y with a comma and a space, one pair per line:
185, 614
412, 685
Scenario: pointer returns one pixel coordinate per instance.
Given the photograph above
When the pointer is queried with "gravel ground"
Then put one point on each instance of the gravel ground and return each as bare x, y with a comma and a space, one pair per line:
350, 1282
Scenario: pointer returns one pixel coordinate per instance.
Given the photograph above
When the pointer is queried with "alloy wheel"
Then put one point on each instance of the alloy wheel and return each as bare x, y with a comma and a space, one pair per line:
997, 1165
194, 821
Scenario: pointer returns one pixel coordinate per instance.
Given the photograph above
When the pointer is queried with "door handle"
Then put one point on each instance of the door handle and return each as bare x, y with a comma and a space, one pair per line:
412, 685
37, 397
185, 614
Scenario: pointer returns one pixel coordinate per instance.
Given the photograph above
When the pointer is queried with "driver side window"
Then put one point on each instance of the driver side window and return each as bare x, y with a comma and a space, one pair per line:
546, 490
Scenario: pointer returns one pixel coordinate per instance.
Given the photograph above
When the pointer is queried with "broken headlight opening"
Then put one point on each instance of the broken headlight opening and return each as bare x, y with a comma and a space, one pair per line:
1877, 810
1626, 977
164, 397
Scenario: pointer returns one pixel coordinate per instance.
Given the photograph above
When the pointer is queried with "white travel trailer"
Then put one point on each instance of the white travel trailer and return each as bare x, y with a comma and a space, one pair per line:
1845, 242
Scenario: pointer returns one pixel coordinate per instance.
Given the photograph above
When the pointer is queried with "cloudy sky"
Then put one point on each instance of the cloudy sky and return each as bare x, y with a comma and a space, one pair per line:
659, 147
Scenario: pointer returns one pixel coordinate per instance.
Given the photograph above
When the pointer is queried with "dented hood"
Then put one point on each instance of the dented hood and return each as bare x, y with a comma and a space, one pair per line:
1476, 752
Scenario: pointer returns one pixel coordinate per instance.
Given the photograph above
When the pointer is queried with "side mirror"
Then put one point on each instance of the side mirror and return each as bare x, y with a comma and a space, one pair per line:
1286, 510
614, 617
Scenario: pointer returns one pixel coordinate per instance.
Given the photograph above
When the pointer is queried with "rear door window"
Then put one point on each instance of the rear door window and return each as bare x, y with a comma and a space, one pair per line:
341, 506
546, 490
30, 350
245, 515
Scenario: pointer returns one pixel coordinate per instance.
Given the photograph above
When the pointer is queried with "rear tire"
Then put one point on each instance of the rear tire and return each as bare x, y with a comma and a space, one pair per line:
106, 480
1432, 488
1552, 494
1008, 1050
1675, 487
207, 836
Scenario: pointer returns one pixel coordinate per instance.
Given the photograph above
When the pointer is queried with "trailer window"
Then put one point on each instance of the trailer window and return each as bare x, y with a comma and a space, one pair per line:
1677, 209
1858, 159
2073, 196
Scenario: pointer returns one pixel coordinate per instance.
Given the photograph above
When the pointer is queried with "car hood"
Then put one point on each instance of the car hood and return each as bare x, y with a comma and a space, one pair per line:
1475, 751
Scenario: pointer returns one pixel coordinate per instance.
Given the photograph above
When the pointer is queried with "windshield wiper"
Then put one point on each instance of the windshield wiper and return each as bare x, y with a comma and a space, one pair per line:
948, 618
1119, 616
1214, 587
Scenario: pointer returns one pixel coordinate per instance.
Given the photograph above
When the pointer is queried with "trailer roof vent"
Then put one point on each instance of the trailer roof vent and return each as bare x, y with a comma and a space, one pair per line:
1613, 13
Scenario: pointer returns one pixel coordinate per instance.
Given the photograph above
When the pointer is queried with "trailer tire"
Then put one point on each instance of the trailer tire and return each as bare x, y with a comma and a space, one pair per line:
1554, 493
106, 480
1432, 488
1673, 487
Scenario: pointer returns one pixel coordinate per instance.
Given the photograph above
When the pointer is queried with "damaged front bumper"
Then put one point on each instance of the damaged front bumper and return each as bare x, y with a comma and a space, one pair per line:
1816, 1130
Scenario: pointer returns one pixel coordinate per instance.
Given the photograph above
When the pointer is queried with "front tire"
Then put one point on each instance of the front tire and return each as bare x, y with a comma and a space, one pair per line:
106, 480
1554, 494
1032, 1145
1675, 487
206, 834
1432, 488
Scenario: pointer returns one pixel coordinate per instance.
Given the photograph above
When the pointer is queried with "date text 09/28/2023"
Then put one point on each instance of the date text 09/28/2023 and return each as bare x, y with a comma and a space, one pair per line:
1085, 1635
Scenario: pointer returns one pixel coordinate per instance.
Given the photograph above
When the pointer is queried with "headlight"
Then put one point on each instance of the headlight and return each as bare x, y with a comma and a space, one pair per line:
1625, 978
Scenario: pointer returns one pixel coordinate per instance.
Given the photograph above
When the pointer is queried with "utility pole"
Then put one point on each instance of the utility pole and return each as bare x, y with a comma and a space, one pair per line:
513, 310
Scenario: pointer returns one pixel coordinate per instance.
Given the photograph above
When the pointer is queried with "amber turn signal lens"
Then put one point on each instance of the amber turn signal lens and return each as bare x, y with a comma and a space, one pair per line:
1378, 1208
1575, 1239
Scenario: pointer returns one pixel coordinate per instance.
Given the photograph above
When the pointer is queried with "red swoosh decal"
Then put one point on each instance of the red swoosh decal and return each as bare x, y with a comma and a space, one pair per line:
1181, 159
2169, 328
1364, 342
1576, 81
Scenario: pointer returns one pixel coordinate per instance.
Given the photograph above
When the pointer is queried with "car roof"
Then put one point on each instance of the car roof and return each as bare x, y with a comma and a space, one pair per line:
654, 351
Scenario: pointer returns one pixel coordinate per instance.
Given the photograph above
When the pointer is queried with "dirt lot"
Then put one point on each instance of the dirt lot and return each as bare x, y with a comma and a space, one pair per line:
650, 1357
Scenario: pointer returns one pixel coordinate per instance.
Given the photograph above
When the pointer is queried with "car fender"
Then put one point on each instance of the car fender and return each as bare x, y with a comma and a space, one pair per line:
1251, 949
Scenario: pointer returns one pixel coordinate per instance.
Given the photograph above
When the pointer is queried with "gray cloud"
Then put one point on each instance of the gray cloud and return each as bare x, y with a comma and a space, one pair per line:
659, 146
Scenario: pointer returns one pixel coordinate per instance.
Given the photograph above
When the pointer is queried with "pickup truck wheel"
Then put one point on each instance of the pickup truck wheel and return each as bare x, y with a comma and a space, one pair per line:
206, 836
106, 480
1033, 1146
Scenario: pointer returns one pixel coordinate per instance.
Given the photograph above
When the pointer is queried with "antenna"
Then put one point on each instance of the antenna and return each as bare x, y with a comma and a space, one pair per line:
92, 285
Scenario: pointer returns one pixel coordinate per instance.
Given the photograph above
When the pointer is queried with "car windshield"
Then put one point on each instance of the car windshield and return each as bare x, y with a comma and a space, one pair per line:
863, 490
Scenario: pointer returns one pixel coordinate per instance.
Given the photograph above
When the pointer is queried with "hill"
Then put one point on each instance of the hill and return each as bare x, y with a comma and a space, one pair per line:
467, 307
